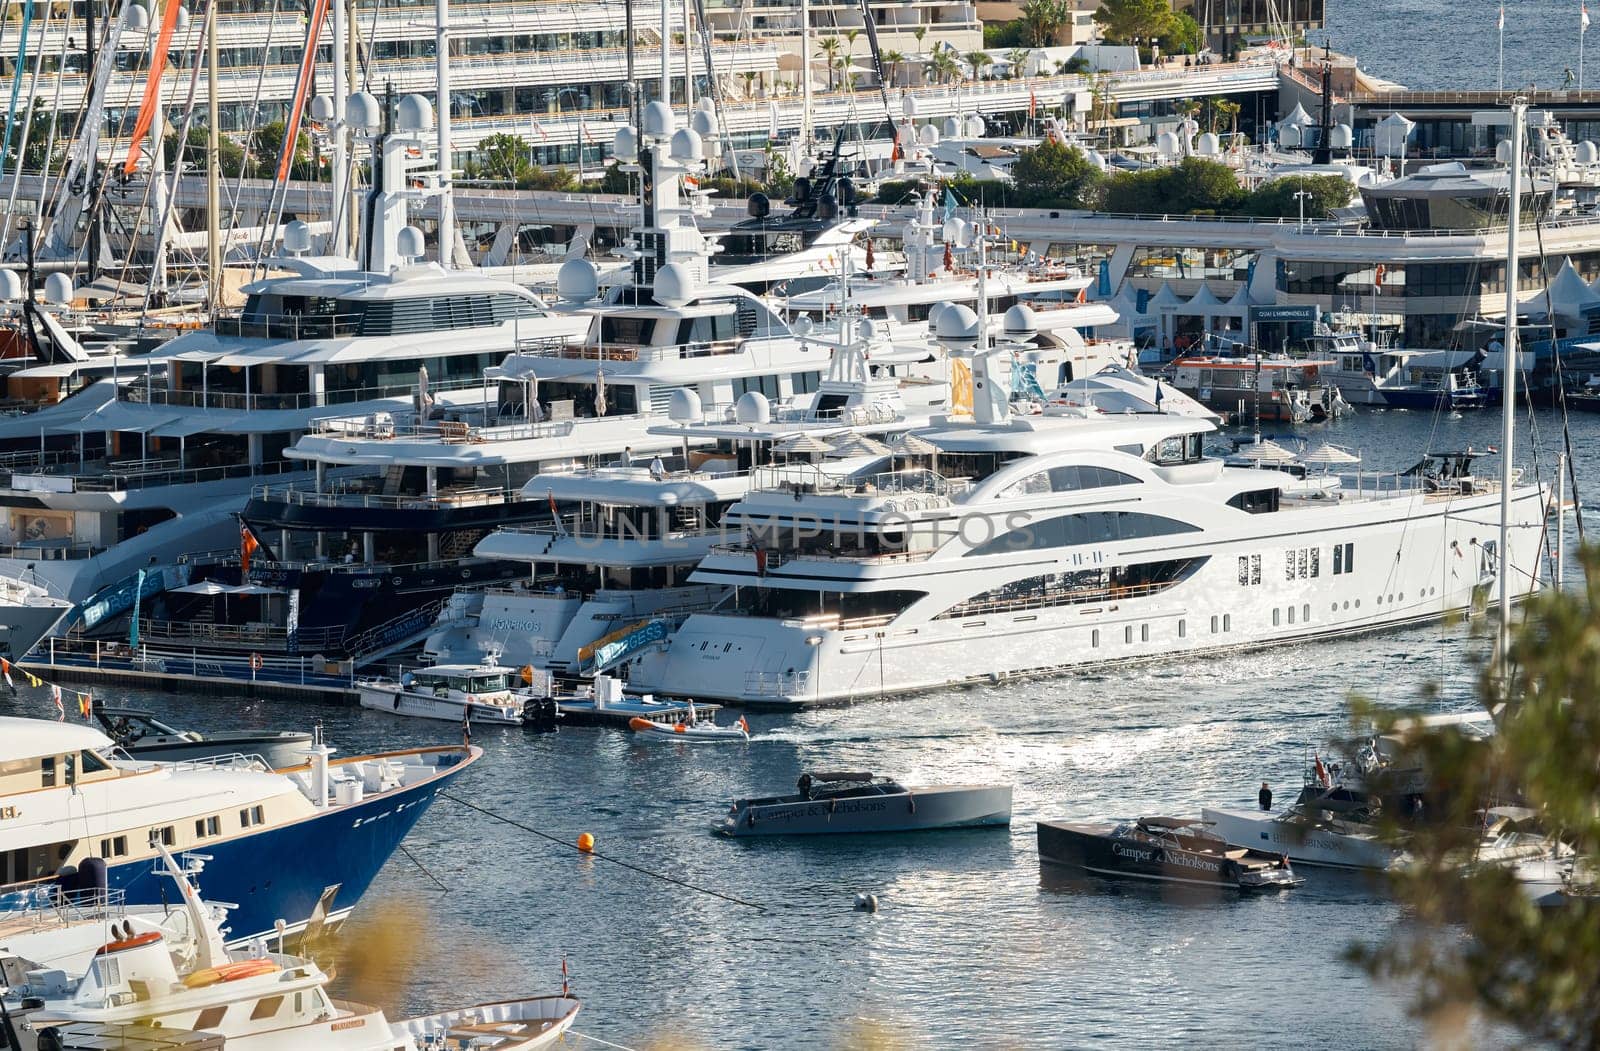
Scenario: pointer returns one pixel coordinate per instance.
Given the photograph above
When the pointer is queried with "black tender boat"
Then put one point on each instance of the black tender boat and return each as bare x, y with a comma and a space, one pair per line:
1169, 849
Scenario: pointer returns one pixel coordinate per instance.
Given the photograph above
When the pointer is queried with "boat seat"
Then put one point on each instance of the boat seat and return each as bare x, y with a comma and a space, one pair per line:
1236, 855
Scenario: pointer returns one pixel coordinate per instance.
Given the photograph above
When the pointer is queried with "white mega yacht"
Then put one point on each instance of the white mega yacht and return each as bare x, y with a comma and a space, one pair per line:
618, 541
1015, 544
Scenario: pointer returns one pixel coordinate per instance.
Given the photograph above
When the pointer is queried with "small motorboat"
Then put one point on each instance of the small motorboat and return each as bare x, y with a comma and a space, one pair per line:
509, 1025
1169, 849
841, 803
484, 693
143, 736
692, 730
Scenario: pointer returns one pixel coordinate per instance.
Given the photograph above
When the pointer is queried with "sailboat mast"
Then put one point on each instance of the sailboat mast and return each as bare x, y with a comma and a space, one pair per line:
805, 74
90, 55
214, 249
666, 51
447, 219
1508, 372
339, 238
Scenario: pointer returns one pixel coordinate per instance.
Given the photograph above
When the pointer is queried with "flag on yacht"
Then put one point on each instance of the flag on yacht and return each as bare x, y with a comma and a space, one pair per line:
248, 544
86, 705
152, 88
5, 668
55, 695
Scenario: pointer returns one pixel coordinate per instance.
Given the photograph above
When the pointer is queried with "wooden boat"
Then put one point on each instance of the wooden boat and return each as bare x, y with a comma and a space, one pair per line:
509, 1025
842, 803
1171, 850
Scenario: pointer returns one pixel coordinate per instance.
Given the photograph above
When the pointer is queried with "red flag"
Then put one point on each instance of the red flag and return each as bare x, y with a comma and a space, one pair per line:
896, 154
1033, 103
761, 561
949, 259
152, 87
5, 668
248, 545
1377, 276
86, 705
291, 133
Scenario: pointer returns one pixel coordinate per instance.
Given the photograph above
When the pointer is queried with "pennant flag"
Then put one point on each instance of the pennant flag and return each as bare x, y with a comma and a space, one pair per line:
1033, 103
33, 680
248, 545
5, 668
949, 203
539, 130
152, 86
86, 705
55, 695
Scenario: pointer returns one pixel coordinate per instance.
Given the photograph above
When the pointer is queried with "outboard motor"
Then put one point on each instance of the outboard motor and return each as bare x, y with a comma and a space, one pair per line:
541, 715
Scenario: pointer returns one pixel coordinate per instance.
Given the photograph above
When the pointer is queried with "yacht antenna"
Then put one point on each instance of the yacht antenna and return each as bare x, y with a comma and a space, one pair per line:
447, 219
1508, 383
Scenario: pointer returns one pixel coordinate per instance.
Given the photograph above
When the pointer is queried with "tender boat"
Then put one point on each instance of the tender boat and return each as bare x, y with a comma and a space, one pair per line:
143, 736
692, 730
839, 803
1169, 849
452, 692
189, 988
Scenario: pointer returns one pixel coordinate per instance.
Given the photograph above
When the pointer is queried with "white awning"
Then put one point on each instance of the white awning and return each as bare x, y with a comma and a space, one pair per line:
121, 416
193, 423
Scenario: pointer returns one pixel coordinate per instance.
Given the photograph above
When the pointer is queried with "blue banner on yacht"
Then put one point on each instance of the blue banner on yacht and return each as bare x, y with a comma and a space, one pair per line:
118, 598
611, 652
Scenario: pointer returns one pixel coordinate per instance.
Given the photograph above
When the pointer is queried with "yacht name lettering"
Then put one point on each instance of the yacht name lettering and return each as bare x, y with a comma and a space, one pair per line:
1189, 861
843, 806
1122, 850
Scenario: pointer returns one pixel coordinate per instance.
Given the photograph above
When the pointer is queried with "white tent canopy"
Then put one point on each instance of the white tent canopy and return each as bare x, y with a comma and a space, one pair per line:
1568, 293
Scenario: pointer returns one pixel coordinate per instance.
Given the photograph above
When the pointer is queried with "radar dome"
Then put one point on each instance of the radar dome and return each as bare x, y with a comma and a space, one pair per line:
759, 206
182, 20
658, 119
952, 128
867, 329
752, 407
908, 106
409, 243
702, 123
801, 326
674, 285
685, 148
933, 315
1289, 135
1208, 145
625, 144
1340, 137
363, 113
577, 281
1020, 323
929, 135
58, 289
957, 326
322, 109
975, 127
296, 238
10, 286
685, 407
1167, 144
137, 16
1502, 152
414, 113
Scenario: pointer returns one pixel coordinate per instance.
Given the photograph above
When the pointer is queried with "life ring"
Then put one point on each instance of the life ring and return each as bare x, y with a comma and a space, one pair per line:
256, 663
230, 972
147, 938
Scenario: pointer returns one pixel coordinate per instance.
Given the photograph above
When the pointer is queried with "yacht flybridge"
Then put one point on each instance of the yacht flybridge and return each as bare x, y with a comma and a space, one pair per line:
1008, 544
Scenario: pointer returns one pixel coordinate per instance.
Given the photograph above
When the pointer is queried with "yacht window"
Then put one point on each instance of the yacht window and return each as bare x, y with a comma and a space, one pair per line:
1092, 527
89, 763
168, 836
251, 816
1257, 501
1066, 479
116, 847
1077, 587
767, 385
1178, 449
210, 1018
631, 331
207, 826
266, 1008
47, 772
715, 329
805, 382
490, 683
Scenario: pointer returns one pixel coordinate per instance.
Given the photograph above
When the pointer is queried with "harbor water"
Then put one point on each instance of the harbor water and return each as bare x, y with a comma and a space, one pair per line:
971, 946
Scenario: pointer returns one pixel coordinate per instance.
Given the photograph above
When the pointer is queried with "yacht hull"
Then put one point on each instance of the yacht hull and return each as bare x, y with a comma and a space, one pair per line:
25, 624
282, 872
915, 810
444, 709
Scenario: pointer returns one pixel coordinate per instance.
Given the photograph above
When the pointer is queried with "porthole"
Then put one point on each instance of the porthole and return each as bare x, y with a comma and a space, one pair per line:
1275, 614
1305, 612
1358, 603
1183, 629
1227, 622
1291, 614
1127, 634
1094, 638
1144, 633
1213, 625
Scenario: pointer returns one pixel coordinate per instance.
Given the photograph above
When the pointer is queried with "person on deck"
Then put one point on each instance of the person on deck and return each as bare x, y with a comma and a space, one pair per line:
1265, 797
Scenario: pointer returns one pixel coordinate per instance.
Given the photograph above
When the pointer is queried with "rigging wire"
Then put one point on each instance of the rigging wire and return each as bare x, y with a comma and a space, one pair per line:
604, 857
27, 115
252, 126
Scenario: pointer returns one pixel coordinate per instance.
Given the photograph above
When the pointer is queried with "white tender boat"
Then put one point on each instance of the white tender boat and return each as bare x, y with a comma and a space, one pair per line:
691, 730
483, 693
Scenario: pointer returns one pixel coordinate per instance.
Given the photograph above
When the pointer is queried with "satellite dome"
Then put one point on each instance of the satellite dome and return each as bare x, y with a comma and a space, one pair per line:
409, 243
908, 106
685, 407
1208, 145
577, 281
414, 113
58, 289
702, 123
658, 119
322, 109
1020, 323
866, 328
685, 147
952, 128
1167, 144
801, 326
929, 135
674, 285
137, 16
363, 113
975, 127
957, 325
752, 407
10, 286
625, 144
759, 206
296, 238
1340, 137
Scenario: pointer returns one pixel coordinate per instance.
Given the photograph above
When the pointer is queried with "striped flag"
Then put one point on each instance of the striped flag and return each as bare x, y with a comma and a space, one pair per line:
55, 695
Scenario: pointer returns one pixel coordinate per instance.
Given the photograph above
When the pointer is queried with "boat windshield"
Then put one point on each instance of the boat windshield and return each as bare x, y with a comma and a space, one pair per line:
491, 683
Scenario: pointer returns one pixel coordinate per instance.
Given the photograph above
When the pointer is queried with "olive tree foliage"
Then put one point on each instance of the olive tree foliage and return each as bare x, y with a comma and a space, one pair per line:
1473, 941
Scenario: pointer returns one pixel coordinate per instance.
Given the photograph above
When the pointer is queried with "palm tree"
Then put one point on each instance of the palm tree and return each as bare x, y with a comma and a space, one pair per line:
976, 60
828, 47
892, 61
1043, 19
919, 32
1229, 109
943, 66
1017, 59
749, 78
